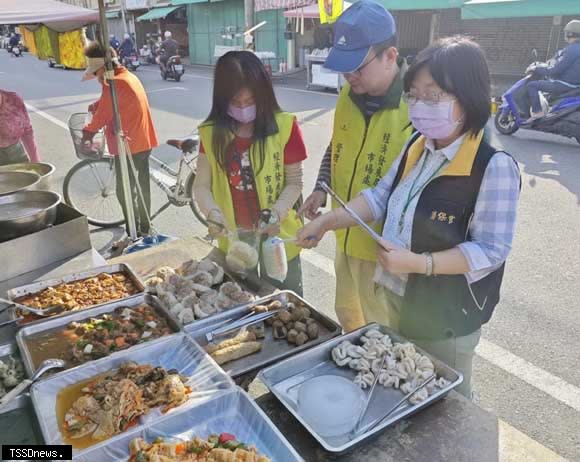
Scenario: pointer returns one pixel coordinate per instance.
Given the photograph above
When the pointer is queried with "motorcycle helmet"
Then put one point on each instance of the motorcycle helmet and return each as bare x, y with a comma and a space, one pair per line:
167, 34
126, 36
572, 29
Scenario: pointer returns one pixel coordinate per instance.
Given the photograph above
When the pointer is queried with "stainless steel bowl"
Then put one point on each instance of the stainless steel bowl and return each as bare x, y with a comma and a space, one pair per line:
45, 170
26, 212
11, 182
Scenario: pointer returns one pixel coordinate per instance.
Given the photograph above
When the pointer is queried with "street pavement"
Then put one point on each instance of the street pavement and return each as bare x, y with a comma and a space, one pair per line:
527, 371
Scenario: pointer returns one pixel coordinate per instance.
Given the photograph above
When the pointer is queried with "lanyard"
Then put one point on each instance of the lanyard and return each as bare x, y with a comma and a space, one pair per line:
414, 192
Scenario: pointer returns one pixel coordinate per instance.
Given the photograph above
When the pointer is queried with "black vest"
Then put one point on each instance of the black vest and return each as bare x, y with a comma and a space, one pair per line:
440, 307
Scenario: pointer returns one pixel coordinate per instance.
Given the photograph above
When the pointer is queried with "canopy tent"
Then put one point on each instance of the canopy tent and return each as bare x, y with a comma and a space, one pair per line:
58, 16
421, 4
486, 9
309, 12
157, 13
261, 5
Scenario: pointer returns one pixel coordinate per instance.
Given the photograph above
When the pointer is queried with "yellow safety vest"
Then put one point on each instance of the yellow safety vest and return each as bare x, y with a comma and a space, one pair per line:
361, 155
269, 182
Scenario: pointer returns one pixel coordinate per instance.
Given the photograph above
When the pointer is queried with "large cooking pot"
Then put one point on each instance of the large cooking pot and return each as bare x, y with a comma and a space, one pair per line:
26, 212
11, 182
45, 170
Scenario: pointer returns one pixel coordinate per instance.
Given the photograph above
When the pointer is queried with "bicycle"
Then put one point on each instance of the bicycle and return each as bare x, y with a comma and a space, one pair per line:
89, 186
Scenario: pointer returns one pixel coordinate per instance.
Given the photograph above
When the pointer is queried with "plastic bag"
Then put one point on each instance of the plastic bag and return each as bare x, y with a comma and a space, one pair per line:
274, 257
241, 257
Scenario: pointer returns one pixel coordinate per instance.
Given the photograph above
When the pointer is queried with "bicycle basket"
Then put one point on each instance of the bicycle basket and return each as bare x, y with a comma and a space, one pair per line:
93, 151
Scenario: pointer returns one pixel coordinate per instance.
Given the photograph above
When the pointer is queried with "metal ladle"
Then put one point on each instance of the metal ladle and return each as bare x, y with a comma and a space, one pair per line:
55, 309
45, 366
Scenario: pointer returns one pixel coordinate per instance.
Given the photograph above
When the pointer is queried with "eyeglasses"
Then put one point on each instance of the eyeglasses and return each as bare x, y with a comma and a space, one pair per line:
358, 72
429, 98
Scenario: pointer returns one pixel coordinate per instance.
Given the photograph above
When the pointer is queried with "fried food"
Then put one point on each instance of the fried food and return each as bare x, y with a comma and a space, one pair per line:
246, 336
240, 350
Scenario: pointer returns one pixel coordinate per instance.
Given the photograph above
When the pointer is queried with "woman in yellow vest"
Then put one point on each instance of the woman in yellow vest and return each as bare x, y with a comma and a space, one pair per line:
250, 163
447, 207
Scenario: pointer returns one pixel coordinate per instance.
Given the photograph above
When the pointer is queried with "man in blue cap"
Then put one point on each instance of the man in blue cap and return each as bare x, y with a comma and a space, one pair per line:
371, 125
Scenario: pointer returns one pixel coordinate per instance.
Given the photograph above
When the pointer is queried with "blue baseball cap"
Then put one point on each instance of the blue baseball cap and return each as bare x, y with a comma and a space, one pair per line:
359, 27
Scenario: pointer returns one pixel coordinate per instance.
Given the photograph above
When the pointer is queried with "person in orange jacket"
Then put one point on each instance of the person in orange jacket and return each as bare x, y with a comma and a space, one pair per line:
136, 123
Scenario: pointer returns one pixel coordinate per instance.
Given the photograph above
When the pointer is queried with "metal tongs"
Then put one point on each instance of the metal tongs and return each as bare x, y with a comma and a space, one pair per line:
243, 322
352, 213
381, 419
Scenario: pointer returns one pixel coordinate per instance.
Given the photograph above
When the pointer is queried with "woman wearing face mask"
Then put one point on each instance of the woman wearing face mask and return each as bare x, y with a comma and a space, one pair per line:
251, 158
448, 208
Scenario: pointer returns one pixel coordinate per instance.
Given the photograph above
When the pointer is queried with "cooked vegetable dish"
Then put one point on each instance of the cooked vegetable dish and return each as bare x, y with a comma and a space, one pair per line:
81, 294
217, 448
100, 336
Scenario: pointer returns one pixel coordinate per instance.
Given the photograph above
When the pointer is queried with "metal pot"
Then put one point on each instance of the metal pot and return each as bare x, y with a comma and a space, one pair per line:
27, 212
45, 170
11, 182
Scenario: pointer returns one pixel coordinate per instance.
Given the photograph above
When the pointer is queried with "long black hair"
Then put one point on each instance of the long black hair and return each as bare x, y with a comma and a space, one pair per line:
234, 71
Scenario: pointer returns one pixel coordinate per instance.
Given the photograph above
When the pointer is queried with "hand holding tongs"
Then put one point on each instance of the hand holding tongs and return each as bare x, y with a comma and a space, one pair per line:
353, 214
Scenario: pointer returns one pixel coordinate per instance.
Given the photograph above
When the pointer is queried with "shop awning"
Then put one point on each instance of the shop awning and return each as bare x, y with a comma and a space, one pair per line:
486, 9
421, 4
58, 16
113, 14
310, 11
157, 13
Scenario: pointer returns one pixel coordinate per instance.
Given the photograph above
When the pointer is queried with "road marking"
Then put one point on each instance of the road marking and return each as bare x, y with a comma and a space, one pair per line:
281, 87
52, 119
544, 381
533, 375
166, 89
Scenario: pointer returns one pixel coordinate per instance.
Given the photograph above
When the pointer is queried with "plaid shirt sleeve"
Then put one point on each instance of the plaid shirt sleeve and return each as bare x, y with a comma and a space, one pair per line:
494, 220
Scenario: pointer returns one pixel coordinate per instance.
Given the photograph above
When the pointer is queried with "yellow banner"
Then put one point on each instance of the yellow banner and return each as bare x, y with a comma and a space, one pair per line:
330, 10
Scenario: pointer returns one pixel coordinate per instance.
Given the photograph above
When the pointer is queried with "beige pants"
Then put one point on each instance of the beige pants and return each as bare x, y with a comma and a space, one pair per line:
357, 302
456, 352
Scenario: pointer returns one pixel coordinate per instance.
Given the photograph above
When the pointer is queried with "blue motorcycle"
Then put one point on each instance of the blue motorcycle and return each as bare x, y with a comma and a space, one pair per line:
562, 111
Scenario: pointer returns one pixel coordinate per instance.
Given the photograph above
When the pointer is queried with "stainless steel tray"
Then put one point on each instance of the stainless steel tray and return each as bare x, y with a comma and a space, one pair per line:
31, 330
234, 412
18, 292
272, 350
175, 352
19, 423
285, 378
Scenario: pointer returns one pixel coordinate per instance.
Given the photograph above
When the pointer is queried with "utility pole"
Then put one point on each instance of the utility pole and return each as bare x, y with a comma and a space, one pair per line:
123, 16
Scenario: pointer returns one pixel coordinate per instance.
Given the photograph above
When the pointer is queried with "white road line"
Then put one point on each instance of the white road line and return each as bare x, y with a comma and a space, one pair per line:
499, 357
52, 119
533, 375
166, 89
280, 87
518, 367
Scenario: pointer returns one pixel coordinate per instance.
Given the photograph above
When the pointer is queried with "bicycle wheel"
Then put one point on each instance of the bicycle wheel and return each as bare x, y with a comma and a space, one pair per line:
193, 204
89, 187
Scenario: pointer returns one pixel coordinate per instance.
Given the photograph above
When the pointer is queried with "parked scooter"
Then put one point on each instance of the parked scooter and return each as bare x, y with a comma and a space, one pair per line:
562, 111
147, 55
174, 68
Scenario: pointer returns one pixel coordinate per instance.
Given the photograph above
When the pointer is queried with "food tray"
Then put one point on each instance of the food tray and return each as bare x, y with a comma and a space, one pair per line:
284, 380
174, 352
272, 350
29, 289
34, 329
233, 412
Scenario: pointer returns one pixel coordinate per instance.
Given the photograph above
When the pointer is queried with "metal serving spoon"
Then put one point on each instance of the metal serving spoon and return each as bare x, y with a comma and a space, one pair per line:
55, 309
45, 366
